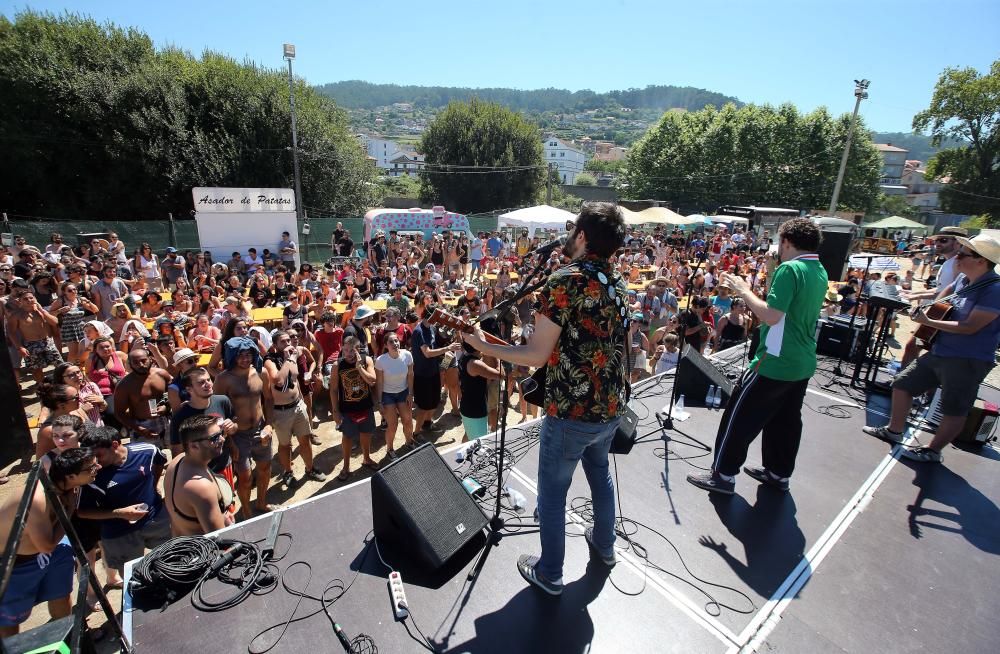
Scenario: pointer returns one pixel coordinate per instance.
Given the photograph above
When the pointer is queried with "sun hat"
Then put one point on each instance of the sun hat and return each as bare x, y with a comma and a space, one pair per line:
364, 311
985, 246
183, 354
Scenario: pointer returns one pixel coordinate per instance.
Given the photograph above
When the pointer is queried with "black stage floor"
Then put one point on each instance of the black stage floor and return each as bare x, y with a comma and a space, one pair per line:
867, 553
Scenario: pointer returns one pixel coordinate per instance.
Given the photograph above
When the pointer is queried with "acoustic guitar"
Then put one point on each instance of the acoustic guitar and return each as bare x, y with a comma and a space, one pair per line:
926, 335
442, 318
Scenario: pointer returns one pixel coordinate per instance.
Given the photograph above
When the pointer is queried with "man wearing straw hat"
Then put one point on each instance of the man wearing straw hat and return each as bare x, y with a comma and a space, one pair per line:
962, 354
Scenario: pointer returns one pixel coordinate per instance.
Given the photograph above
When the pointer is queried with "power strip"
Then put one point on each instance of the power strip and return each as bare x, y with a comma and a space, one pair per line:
398, 596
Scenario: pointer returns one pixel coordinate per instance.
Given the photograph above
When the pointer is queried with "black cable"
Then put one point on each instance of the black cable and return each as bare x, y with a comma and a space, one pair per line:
174, 567
242, 571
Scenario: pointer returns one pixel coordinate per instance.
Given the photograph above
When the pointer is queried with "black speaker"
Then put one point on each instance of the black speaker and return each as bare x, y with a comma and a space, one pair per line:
834, 340
834, 251
419, 505
695, 374
49, 638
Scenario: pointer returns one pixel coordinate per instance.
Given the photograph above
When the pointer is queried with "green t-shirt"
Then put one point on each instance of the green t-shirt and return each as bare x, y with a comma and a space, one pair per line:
787, 350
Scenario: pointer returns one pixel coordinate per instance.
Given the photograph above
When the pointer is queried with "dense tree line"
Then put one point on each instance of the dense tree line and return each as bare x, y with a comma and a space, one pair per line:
96, 122
481, 157
751, 155
355, 94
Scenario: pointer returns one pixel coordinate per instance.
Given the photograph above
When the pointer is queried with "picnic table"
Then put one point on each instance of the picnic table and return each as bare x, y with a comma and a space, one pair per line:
267, 314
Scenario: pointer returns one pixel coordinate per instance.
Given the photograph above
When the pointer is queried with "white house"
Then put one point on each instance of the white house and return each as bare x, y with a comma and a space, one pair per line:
381, 150
406, 163
893, 163
921, 192
567, 159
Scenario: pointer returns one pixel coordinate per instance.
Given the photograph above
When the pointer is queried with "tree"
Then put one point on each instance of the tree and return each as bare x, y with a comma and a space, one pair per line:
755, 155
98, 123
895, 205
480, 156
600, 166
966, 106
404, 186
583, 179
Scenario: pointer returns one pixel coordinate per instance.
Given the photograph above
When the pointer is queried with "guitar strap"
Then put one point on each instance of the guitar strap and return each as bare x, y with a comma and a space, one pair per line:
971, 287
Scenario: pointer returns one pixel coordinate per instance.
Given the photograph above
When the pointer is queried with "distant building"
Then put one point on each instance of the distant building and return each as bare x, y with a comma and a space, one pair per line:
406, 163
402, 106
381, 150
921, 192
567, 159
608, 151
893, 165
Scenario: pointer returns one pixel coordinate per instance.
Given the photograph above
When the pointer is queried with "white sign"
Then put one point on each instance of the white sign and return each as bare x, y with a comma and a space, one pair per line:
243, 200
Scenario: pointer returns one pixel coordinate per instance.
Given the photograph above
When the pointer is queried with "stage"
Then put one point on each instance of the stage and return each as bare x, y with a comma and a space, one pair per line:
866, 553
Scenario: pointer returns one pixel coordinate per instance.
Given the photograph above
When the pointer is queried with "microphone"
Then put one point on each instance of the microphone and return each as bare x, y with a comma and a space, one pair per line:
545, 250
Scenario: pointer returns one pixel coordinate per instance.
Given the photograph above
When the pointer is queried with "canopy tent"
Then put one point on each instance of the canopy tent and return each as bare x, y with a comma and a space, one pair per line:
659, 216
541, 217
878, 264
896, 222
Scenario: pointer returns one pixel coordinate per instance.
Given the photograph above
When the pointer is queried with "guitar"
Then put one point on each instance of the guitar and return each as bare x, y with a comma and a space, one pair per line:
926, 335
442, 318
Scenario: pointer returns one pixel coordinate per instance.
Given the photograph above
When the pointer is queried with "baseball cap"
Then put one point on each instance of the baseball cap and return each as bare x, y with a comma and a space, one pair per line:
170, 250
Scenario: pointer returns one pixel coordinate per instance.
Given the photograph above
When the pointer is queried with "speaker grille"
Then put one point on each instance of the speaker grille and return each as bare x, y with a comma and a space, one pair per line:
417, 501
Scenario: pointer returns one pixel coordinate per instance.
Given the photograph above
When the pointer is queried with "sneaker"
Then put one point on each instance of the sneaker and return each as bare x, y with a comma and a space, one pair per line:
713, 482
610, 560
922, 454
314, 439
526, 565
883, 434
287, 478
763, 476
315, 475
426, 426
392, 455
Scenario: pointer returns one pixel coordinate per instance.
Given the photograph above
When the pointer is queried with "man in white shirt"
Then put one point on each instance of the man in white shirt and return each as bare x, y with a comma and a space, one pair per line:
476, 254
252, 261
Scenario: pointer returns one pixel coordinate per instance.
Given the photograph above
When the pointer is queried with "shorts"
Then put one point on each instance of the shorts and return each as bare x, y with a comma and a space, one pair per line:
475, 427
120, 550
41, 353
360, 423
476, 263
958, 377
427, 391
293, 421
249, 445
159, 426
389, 399
40, 579
492, 395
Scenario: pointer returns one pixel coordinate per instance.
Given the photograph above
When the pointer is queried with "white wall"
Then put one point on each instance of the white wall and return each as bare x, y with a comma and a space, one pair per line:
231, 219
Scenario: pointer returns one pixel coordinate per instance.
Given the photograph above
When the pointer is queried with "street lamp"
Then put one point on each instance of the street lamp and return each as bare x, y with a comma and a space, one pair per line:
860, 93
289, 54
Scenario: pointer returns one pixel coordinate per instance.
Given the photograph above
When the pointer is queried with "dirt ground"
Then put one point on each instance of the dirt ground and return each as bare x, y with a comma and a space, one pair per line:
327, 459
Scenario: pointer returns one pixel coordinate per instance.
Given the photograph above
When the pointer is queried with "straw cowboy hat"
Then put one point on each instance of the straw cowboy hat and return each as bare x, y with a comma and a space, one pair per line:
985, 246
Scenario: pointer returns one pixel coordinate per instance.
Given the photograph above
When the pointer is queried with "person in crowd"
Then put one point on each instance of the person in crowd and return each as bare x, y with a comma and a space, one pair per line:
57, 399
961, 355
174, 268
584, 338
106, 368
667, 353
138, 398
195, 497
639, 346
29, 330
124, 497
733, 327
770, 393
394, 389
91, 401
291, 418
182, 360
474, 376
147, 267
108, 292
242, 381
203, 337
351, 403
43, 567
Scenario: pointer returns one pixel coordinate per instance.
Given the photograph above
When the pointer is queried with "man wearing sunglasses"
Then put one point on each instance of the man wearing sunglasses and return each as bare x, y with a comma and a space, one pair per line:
961, 356
196, 499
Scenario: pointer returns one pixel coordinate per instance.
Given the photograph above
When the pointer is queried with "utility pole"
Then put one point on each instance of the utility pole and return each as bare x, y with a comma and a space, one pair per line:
289, 54
548, 184
860, 93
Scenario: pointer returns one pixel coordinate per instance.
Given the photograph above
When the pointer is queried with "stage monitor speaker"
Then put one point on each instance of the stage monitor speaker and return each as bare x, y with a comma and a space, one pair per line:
979, 424
419, 505
834, 251
695, 374
834, 340
49, 638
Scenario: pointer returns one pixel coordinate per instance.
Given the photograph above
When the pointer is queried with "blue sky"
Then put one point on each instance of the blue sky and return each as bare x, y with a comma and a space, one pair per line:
763, 51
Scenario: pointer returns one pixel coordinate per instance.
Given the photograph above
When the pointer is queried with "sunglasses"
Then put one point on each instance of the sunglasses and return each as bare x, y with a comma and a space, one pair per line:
963, 255
215, 438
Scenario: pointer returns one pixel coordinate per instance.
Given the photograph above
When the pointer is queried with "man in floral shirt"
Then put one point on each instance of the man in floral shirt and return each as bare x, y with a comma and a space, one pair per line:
579, 333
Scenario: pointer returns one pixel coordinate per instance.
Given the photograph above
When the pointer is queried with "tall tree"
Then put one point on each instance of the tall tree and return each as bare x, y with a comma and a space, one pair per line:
480, 157
95, 122
750, 155
966, 106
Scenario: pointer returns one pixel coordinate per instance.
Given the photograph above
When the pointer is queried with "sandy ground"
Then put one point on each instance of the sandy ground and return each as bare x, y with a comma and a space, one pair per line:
328, 459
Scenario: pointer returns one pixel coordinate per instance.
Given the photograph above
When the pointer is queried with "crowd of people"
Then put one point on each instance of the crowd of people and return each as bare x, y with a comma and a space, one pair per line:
139, 358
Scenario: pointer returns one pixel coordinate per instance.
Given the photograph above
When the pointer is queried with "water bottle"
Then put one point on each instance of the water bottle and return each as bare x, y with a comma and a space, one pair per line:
710, 396
679, 412
717, 398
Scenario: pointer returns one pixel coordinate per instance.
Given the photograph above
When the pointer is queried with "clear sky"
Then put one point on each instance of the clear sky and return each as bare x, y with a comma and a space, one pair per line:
763, 51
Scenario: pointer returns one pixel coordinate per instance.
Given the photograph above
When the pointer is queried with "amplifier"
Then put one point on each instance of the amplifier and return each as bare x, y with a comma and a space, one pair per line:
979, 424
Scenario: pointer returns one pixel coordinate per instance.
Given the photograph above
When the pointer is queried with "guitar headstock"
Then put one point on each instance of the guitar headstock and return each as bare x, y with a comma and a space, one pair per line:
442, 318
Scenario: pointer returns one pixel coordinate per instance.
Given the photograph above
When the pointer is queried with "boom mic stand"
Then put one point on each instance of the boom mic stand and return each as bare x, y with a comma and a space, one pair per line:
668, 420
497, 522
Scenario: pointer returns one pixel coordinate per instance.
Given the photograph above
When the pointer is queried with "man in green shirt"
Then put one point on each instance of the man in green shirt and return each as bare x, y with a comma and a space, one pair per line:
769, 395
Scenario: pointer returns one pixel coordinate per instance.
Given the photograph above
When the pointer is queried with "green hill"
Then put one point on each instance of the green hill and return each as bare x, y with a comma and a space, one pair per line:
356, 94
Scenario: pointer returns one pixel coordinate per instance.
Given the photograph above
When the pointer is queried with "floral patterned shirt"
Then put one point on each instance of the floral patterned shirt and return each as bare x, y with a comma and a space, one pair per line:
586, 371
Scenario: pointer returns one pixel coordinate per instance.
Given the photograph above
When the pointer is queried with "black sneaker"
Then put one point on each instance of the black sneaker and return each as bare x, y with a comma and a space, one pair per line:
526, 564
287, 478
883, 434
609, 561
315, 475
426, 426
713, 483
765, 477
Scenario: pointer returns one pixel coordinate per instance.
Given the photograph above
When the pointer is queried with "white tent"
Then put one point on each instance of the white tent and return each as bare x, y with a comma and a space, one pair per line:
659, 216
878, 264
541, 217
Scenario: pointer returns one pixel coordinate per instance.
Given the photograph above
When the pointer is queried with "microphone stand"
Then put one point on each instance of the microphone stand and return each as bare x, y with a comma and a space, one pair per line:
668, 420
496, 521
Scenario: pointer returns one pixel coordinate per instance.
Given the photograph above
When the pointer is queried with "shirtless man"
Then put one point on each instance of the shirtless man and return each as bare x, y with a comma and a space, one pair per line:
138, 398
290, 415
43, 569
193, 495
252, 403
29, 328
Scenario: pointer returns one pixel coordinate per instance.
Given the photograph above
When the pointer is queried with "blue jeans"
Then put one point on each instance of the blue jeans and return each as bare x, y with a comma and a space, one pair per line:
562, 444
